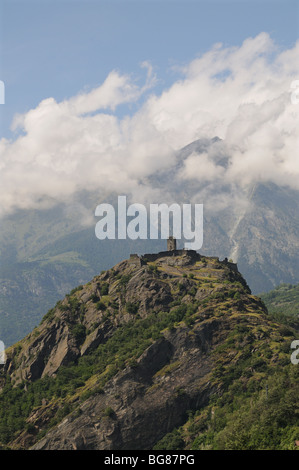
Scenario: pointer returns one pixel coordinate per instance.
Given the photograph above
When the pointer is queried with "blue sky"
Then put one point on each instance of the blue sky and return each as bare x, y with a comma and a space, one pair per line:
102, 95
58, 48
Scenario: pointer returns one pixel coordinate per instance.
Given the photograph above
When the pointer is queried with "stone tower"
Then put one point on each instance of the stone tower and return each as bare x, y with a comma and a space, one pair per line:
171, 244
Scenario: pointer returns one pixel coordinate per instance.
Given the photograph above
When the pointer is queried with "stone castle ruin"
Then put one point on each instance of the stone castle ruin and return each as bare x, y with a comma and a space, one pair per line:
172, 251
171, 244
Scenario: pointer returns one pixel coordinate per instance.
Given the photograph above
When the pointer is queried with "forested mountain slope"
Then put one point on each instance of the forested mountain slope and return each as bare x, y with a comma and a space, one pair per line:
163, 351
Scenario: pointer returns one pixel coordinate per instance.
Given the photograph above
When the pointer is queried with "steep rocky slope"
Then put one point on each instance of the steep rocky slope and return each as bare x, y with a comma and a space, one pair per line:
120, 361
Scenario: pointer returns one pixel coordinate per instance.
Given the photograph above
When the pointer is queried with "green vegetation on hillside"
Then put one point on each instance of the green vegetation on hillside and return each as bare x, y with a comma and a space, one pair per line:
258, 406
283, 303
122, 349
205, 312
260, 414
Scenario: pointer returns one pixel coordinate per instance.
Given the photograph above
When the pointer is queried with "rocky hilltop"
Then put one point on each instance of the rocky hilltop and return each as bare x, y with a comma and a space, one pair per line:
121, 361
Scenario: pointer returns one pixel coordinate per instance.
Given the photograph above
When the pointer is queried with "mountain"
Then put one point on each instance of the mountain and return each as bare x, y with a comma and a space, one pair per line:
47, 252
255, 225
265, 239
165, 351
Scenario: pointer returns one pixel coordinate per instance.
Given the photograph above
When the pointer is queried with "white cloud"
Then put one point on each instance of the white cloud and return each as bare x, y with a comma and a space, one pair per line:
201, 168
241, 94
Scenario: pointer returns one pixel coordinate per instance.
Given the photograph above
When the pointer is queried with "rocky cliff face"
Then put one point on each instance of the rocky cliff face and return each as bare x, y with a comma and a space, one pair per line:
146, 336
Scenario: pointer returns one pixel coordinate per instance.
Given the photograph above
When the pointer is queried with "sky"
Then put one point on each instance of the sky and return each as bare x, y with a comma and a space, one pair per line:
55, 48
109, 90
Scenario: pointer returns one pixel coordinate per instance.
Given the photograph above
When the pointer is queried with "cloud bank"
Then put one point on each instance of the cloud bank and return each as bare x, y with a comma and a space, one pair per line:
240, 94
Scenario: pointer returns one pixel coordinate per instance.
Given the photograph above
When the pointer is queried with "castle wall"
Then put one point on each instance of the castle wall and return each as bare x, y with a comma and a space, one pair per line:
154, 256
151, 257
